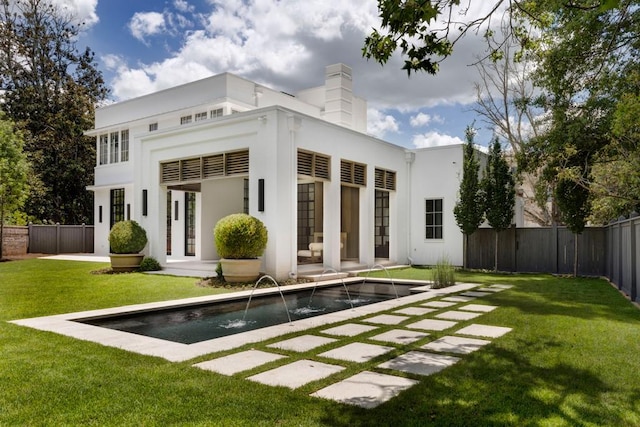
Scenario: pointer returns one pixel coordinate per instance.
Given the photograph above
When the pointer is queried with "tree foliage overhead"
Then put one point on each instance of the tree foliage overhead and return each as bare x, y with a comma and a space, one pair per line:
50, 89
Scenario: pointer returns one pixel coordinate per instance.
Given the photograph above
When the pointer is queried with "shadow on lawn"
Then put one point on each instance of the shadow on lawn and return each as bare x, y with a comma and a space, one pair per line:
496, 387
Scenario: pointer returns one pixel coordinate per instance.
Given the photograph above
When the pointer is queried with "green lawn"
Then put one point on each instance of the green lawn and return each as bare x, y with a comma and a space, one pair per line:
573, 358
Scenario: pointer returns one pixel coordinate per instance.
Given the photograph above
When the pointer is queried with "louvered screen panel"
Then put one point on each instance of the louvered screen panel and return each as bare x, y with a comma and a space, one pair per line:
360, 174
237, 163
305, 163
213, 166
390, 181
379, 178
191, 170
170, 172
346, 174
322, 167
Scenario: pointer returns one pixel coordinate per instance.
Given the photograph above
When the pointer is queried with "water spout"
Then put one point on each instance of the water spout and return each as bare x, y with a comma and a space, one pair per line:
266, 276
329, 270
388, 276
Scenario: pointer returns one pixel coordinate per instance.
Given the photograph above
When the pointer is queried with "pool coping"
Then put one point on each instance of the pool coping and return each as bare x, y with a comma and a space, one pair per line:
66, 324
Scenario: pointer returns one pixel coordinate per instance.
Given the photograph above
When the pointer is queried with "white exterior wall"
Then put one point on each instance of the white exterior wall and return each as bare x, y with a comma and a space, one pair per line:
436, 173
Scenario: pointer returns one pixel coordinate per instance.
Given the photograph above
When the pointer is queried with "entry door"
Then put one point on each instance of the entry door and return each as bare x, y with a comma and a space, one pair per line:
381, 231
190, 224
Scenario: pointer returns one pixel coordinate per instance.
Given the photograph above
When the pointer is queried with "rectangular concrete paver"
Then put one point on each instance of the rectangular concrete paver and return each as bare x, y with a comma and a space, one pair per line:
365, 389
302, 343
415, 311
432, 325
478, 308
458, 299
386, 319
296, 374
483, 331
238, 362
458, 345
349, 330
458, 315
439, 304
356, 352
400, 336
475, 294
420, 363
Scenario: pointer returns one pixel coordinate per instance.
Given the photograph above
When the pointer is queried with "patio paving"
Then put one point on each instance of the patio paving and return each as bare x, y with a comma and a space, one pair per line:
356, 352
478, 308
238, 362
415, 311
420, 363
439, 304
458, 299
432, 325
386, 319
483, 331
475, 294
459, 345
296, 374
458, 315
400, 336
302, 343
349, 330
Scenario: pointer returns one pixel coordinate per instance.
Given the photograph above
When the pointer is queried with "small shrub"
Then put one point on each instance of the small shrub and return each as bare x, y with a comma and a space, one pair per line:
149, 264
127, 237
240, 236
443, 274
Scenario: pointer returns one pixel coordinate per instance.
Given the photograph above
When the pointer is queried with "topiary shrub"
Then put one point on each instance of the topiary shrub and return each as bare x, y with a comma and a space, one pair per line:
240, 236
127, 237
149, 264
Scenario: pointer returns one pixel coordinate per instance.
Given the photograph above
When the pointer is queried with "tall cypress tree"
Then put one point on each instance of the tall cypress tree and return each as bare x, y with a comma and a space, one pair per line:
468, 210
498, 188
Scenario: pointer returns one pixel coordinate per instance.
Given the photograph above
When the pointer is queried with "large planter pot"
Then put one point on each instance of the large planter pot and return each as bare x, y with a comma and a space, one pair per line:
121, 263
240, 270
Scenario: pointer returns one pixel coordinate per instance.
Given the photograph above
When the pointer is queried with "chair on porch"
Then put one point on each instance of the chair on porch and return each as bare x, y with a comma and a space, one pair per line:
311, 255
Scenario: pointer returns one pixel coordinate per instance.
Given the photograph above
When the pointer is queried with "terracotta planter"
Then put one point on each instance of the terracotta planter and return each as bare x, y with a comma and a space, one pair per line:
240, 270
121, 263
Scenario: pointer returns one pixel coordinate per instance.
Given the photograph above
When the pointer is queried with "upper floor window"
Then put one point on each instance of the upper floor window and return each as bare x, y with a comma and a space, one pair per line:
114, 148
201, 116
218, 112
153, 127
103, 149
186, 119
124, 145
433, 219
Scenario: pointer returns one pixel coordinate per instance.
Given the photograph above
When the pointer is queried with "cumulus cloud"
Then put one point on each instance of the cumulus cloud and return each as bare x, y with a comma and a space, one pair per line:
83, 10
183, 6
379, 123
422, 119
144, 24
434, 139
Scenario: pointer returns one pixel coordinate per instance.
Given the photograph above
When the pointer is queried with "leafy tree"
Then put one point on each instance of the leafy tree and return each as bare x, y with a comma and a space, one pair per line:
13, 173
498, 188
573, 202
468, 210
50, 90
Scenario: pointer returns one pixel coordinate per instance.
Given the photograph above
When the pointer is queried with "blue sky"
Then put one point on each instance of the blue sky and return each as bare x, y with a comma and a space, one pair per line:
144, 46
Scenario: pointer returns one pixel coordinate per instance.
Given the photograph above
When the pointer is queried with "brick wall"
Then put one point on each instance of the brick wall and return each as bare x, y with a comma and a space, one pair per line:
16, 241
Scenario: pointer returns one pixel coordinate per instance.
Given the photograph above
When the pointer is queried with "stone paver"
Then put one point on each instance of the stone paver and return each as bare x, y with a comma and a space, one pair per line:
450, 344
365, 389
439, 304
458, 299
400, 336
302, 343
489, 289
415, 311
356, 352
458, 315
475, 294
296, 374
420, 363
483, 331
432, 325
478, 308
503, 287
238, 362
386, 319
349, 330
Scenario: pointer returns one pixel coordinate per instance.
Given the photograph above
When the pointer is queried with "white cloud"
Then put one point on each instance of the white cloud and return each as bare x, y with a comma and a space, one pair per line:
434, 139
422, 119
83, 10
379, 123
144, 24
183, 6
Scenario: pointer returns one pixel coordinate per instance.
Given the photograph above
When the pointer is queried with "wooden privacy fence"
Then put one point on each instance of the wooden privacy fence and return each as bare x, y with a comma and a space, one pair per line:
60, 239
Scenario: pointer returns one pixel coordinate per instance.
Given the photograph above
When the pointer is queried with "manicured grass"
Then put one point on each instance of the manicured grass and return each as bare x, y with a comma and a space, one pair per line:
571, 359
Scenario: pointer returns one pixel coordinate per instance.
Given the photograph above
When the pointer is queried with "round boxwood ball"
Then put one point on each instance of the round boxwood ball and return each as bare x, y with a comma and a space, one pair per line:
240, 236
127, 237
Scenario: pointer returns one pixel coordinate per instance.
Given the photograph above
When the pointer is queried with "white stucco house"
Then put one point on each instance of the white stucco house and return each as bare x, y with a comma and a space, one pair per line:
180, 159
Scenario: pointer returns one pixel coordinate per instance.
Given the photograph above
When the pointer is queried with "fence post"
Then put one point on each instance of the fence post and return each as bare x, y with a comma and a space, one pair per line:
633, 249
57, 238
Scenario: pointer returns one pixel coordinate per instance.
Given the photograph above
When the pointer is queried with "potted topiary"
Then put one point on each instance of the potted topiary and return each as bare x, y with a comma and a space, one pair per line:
240, 239
127, 239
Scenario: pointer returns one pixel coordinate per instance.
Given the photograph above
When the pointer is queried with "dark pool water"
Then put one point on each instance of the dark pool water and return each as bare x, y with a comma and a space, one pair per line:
197, 323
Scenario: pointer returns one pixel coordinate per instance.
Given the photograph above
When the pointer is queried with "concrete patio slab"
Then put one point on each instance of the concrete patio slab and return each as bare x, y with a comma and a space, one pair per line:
386, 319
459, 345
483, 331
432, 325
400, 336
478, 308
503, 287
302, 343
458, 315
365, 389
349, 330
489, 289
458, 299
296, 374
420, 363
439, 304
475, 294
356, 352
415, 311
238, 362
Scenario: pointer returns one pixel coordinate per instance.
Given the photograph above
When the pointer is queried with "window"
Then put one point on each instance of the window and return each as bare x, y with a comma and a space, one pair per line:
116, 206
124, 145
185, 119
115, 148
201, 116
153, 127
216, 113
103, 149
190, 224
169, 222
433, 217
245, 198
